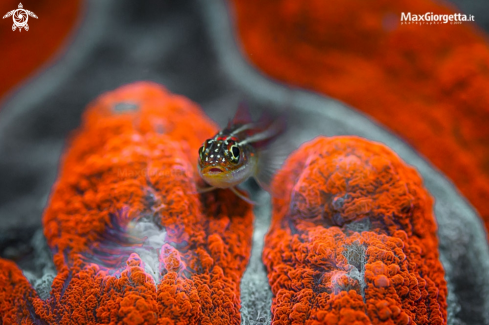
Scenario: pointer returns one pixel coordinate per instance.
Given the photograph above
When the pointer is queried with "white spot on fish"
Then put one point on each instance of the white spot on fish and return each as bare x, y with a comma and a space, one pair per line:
212, 156
218, 156
206, 158
223, 159
216, 150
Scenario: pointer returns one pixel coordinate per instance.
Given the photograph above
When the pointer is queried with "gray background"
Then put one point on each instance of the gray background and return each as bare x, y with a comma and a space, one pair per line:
188, 46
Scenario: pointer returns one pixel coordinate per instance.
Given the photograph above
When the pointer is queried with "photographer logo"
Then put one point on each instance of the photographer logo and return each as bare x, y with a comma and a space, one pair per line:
20, 17
433, 19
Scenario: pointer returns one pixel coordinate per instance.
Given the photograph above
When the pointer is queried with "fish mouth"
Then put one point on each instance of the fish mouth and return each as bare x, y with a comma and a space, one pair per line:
214, 170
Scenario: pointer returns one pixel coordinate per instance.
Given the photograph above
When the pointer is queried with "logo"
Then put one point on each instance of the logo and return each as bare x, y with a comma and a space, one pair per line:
20, 17
432, 19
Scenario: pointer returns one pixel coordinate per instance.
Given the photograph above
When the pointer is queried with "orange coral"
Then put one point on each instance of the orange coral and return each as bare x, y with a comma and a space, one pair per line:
353, 239
426, 82
133, 243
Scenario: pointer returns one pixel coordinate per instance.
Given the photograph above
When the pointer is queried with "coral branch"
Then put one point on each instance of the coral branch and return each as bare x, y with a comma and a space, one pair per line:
133, 241
353, 239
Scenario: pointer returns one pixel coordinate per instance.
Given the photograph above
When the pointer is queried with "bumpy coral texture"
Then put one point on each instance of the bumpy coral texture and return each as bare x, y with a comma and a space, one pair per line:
428, 83
133, 242
353, 239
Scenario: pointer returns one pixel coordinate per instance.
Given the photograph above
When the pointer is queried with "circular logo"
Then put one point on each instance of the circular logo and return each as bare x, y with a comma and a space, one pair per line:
20, 18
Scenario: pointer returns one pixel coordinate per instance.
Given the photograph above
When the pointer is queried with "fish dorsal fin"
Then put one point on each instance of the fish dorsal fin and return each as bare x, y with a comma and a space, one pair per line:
242, 115
267, 130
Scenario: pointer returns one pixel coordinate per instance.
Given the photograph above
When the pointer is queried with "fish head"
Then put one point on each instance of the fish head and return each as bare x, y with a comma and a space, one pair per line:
225, 163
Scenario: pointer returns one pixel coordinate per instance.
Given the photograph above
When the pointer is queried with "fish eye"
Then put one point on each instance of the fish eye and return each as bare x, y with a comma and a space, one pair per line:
201, 151
235, 153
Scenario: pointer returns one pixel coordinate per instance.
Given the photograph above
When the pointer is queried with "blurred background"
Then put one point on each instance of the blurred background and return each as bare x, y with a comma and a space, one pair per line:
425, 84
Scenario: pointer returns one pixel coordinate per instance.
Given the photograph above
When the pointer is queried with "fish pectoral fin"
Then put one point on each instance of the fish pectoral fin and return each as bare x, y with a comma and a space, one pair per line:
264, 182
206, 189
242, 196
269, 162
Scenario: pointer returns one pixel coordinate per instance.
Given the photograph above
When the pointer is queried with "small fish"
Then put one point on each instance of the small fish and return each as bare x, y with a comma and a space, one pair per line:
238, 152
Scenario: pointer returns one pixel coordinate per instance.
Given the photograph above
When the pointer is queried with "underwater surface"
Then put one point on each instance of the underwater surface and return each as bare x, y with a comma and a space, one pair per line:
379, 217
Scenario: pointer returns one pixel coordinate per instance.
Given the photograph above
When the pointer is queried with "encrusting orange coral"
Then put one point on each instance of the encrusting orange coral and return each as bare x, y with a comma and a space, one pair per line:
426, 82
133, 242
353, 239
